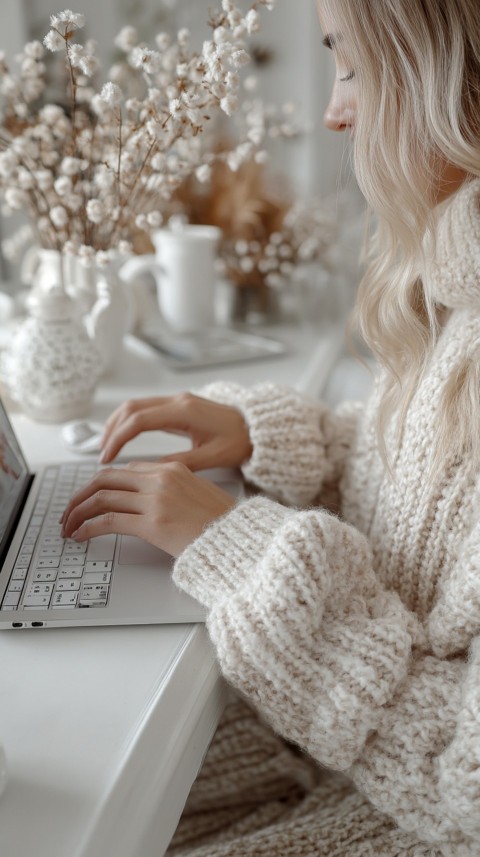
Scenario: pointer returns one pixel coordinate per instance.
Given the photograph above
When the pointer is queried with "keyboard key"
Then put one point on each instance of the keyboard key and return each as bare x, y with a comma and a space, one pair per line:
11, 599
51, 550
69, 560
19, 573
40, 589
74, 547
97, 566
48, 562
44, 575
15, 585
32, 601
92, 592
70, 572
53, 541
67, 585
97, 577
64, 599
22, 562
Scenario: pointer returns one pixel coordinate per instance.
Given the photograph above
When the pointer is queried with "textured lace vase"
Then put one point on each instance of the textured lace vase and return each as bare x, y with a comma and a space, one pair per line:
52, 366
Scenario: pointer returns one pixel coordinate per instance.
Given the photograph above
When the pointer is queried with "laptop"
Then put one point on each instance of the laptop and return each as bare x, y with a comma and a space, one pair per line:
49, 582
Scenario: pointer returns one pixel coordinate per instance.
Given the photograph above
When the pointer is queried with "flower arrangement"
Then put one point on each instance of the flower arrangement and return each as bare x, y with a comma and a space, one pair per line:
98, 162
269, 236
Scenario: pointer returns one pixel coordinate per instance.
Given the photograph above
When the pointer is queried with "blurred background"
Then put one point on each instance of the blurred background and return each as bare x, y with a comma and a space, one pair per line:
294, 74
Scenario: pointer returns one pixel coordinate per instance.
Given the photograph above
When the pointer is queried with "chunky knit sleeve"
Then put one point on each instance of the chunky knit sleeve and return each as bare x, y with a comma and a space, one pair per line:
305, 630
298, 444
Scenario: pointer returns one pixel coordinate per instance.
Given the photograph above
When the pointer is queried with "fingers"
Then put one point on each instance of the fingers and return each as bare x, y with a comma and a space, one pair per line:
104, 504
105, 480
133, 418
120, 523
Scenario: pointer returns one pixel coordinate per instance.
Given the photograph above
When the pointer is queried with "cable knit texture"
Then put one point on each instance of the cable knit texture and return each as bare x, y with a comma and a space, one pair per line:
355, 637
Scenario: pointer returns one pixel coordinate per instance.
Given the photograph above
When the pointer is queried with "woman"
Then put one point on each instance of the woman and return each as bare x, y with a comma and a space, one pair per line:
356, 637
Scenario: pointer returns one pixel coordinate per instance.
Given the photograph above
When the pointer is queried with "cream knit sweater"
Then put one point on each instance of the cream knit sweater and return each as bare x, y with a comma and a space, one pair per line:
357, 637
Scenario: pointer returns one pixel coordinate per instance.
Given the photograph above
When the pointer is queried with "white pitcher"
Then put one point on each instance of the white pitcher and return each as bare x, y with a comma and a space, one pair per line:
184, 271
101, 297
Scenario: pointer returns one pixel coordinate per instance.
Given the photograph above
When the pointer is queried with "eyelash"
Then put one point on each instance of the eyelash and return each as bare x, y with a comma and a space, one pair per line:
348, 77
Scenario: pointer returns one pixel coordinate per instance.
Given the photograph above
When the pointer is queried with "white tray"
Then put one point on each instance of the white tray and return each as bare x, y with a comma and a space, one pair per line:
215, 346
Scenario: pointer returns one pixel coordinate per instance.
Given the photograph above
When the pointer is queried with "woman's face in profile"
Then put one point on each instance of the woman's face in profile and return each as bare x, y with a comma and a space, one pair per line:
341, 111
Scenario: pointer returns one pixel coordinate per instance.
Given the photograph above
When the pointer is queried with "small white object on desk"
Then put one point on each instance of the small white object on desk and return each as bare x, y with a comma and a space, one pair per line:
82, 436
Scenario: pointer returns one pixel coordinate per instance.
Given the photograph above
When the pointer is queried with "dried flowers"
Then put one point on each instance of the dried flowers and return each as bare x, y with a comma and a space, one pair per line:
268, 235
91, 168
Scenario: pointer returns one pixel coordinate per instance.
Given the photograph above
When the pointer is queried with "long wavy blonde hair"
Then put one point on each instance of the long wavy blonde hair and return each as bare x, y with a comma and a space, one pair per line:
417, 75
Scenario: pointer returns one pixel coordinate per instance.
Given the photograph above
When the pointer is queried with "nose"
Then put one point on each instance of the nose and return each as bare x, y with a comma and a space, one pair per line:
339, 115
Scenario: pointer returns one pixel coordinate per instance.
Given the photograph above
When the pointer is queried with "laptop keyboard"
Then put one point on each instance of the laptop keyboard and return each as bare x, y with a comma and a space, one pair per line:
54, 573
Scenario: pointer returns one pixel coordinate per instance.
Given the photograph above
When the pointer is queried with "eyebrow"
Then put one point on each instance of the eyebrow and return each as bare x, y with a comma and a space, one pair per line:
329, 41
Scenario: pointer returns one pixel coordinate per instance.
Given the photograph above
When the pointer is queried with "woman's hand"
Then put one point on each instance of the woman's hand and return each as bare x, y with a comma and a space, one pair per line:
165, 504
219, 434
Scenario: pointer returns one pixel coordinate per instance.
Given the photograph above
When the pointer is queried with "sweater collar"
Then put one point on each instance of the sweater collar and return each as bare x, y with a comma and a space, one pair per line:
455, 270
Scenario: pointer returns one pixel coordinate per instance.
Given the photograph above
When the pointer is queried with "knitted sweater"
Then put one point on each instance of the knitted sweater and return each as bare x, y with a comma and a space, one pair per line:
357, 636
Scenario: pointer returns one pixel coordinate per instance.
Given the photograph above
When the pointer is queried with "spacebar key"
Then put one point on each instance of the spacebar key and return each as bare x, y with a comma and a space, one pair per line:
101, 548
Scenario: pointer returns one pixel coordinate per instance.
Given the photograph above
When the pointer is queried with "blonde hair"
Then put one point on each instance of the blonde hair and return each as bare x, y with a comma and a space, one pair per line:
417, 72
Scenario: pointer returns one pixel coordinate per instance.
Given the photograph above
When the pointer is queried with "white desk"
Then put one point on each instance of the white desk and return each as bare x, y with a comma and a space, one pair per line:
105, 729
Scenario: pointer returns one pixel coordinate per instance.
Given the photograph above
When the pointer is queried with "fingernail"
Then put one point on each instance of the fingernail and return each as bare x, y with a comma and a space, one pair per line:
75, 535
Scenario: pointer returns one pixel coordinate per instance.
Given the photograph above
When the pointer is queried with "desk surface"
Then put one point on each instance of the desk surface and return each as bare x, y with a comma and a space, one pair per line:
105, 728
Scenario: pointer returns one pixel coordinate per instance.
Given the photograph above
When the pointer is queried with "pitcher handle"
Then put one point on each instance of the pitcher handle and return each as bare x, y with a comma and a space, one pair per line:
140, 265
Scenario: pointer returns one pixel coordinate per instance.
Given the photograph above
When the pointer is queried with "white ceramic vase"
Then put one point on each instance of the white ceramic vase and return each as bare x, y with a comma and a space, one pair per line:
52, 366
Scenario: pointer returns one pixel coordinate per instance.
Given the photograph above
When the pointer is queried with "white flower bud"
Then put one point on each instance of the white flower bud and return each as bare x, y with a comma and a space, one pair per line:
8, 163
111, 94
15, 198
125, 248
240, 58
247, 264
261, 157
70, 166
30, 67
220, 35
51, 113
95, 210
141, 222
229, 104
89, 65
53, 41
126, 39
44, 179
154, 219
62, 185
163, 41
59, 216
203, 173
252, 21
183, 37
34, 50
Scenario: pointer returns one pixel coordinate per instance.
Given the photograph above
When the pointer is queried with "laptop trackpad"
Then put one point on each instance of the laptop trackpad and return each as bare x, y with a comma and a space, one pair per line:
135, 551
